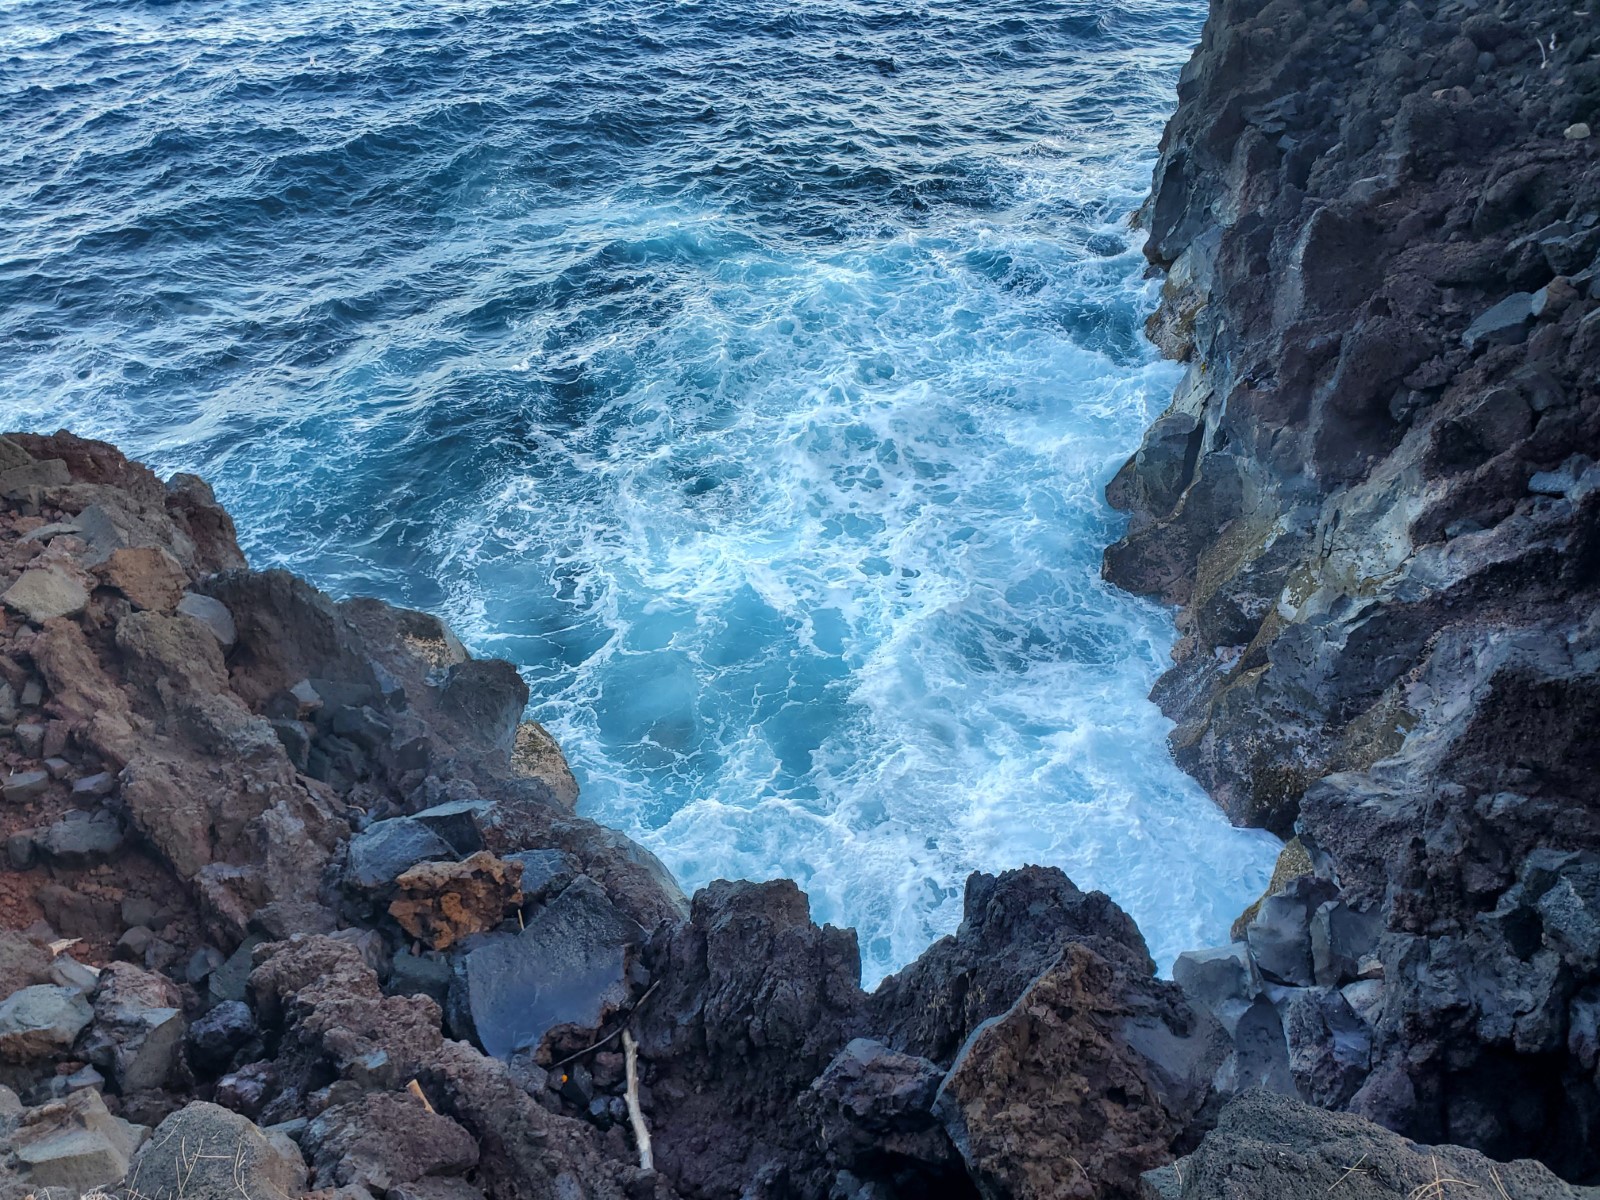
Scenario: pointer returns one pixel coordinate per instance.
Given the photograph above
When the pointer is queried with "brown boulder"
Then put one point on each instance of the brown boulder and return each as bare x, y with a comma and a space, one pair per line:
1052, 1100
147, 575
443, 902
386, 1139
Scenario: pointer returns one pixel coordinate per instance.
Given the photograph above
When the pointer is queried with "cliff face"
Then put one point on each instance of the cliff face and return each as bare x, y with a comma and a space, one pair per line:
1376, 500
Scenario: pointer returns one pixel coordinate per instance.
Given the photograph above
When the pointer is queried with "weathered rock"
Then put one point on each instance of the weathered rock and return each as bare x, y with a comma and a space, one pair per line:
213, 1039
1053, 1098
74, 1144
1381, 256
535, 754
1013, 927
213, 614
206, 1151
41, 1021
1268, 1147
384, 1141
385, 849
138, 1027
22, 963
569, 966
147, 575
22, 786
1505, 322
43, 593
82, 839
753, 1002
1280, 935
442, 903
545, 872
874, 1113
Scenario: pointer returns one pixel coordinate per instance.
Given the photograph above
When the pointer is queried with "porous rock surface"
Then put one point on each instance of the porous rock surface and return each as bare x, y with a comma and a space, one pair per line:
1376, 502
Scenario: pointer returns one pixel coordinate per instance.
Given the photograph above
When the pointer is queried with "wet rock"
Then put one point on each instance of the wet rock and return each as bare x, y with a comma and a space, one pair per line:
41, 1021
384, 1141
74, 1144
569, 966
214, 1038
442, 903
138, 1027
385, 849
44, 593
1050, 1099
205, 1150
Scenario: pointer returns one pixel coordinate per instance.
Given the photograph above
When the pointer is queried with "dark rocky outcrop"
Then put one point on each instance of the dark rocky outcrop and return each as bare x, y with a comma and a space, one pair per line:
1375, 500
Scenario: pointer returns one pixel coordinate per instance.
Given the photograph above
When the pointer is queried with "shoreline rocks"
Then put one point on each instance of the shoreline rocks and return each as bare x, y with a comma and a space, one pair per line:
335, 909
1372, 501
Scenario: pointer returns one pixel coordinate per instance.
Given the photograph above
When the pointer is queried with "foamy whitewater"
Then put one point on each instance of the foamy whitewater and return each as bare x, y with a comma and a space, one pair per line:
749, 374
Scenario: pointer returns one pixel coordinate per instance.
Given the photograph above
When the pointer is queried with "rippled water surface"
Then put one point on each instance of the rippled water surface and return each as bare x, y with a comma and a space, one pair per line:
749, 373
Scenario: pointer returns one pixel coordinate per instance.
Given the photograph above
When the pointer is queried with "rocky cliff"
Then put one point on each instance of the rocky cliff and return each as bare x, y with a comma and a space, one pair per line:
1376, 502
294, 903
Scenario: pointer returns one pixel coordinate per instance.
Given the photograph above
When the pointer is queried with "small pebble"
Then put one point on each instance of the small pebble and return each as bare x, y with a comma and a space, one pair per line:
1576, 132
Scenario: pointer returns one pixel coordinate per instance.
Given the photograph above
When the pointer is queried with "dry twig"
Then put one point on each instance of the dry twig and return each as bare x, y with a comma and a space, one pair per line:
641, 1132
1348, 1171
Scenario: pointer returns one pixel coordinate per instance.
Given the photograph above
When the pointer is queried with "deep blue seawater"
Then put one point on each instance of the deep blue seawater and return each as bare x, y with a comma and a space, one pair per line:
748, 373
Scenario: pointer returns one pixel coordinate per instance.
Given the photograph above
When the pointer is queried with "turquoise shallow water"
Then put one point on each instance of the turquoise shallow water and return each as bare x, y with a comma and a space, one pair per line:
747, 373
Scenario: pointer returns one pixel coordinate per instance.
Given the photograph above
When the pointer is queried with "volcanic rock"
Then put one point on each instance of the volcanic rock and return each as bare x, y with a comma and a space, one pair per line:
205, 1150
41, 1021
569, 966
443, 902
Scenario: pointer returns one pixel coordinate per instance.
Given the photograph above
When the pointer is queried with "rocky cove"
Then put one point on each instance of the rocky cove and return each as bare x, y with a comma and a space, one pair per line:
295, 902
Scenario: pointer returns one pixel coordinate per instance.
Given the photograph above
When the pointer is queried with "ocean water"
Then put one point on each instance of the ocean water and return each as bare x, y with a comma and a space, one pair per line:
748, 373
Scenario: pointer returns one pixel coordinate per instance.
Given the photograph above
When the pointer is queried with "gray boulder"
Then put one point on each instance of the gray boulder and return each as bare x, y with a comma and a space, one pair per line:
386, 848
42, 593
82, 839
41, 1021
74, 1144
568, 967
138, 1027
1505, 323
205, 1152
1268, 1147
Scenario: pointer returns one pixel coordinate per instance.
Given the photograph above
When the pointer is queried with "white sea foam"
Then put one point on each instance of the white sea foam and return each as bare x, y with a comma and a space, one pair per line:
829, 603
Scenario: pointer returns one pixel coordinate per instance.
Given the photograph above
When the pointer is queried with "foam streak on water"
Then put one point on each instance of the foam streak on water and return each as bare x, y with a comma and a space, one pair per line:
748, 373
